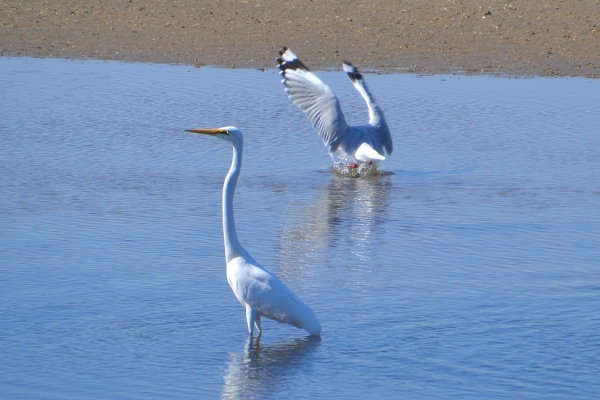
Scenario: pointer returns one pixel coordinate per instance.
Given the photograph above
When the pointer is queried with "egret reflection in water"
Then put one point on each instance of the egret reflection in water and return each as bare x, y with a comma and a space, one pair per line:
262, 369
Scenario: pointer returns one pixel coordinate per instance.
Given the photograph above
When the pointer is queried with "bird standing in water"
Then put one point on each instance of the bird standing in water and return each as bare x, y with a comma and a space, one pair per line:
353, 145
260, 292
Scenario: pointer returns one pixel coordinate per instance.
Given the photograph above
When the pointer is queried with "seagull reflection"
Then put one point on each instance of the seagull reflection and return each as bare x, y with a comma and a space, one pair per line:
262, 369
346, 217
357, 206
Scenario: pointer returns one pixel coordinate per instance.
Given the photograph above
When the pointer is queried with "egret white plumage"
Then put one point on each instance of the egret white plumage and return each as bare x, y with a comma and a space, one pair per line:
260, 292
352, 144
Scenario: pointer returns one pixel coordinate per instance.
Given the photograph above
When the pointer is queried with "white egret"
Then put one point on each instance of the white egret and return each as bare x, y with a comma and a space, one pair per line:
351, 144
260, 292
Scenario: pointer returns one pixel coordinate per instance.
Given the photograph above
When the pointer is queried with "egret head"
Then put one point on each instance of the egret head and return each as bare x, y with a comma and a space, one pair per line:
229, 133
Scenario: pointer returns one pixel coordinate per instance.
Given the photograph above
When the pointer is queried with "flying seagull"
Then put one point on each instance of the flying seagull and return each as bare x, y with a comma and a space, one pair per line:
354, 145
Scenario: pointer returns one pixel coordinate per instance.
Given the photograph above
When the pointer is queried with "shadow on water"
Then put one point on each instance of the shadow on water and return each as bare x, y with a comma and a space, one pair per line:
262, 370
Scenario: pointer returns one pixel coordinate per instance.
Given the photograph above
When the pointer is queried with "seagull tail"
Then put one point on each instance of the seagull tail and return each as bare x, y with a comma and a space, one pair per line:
366, 153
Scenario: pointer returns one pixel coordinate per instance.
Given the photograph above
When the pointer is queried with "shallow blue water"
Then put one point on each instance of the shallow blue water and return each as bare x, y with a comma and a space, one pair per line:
470, 271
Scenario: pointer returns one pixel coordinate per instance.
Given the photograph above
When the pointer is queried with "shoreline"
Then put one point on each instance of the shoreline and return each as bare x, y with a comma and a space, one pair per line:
367, 71
506, 38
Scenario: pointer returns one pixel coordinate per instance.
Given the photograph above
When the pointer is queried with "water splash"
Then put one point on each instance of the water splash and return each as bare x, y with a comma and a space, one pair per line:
353, 170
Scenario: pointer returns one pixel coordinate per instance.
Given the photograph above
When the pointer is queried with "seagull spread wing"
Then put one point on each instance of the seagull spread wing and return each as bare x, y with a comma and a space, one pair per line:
314, 98
380, 135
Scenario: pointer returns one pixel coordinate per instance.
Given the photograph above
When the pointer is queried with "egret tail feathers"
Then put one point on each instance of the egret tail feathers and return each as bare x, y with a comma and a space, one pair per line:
314, 327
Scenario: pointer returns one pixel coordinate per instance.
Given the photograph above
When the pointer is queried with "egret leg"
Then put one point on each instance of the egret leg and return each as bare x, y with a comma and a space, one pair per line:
250, 319
257, 324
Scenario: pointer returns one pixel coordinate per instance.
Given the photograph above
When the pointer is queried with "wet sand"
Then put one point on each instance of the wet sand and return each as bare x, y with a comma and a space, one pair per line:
550, 38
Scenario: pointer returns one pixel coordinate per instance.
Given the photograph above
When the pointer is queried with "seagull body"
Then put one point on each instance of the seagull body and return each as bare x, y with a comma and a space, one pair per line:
260, 292
354, 144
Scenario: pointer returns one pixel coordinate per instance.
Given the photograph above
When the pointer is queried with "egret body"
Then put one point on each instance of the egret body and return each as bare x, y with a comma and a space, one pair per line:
260, 292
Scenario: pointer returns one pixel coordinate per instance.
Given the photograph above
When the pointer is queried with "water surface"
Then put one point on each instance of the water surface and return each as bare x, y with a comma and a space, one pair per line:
469, 270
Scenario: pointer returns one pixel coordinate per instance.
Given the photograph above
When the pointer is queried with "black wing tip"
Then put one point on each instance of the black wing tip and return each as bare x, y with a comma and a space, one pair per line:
352, 71
294, 63
283, 50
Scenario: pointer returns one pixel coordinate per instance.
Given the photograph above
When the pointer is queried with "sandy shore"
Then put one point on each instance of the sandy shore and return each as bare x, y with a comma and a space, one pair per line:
515, 37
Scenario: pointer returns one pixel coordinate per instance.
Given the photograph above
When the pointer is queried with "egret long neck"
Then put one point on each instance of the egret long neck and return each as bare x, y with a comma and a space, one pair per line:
233, 248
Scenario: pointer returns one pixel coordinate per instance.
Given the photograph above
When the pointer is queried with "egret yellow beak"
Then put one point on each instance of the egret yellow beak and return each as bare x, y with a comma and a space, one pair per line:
206, 131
